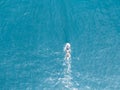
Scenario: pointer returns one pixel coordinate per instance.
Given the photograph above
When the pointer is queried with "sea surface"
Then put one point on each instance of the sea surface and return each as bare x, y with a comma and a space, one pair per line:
33, 34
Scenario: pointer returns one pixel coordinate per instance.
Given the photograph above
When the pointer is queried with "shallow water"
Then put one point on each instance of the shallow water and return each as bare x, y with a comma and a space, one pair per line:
33, 34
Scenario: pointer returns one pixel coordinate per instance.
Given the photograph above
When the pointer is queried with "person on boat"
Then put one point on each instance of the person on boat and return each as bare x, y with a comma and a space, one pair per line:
67, 56
67, 48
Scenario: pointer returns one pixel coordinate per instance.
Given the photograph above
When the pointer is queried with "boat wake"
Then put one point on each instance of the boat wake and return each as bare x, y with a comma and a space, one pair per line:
67, 79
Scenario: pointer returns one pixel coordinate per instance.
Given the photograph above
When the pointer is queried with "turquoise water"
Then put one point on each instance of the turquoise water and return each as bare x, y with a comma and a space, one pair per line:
33, 34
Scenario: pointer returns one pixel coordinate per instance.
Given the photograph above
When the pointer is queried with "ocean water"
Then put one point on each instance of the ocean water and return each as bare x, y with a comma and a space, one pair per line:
33, 34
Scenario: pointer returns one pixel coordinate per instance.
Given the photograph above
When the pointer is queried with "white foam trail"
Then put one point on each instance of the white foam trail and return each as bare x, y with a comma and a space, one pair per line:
67, 80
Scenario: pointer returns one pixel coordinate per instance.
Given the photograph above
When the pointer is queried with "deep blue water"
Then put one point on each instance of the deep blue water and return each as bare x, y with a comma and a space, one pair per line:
34, 32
